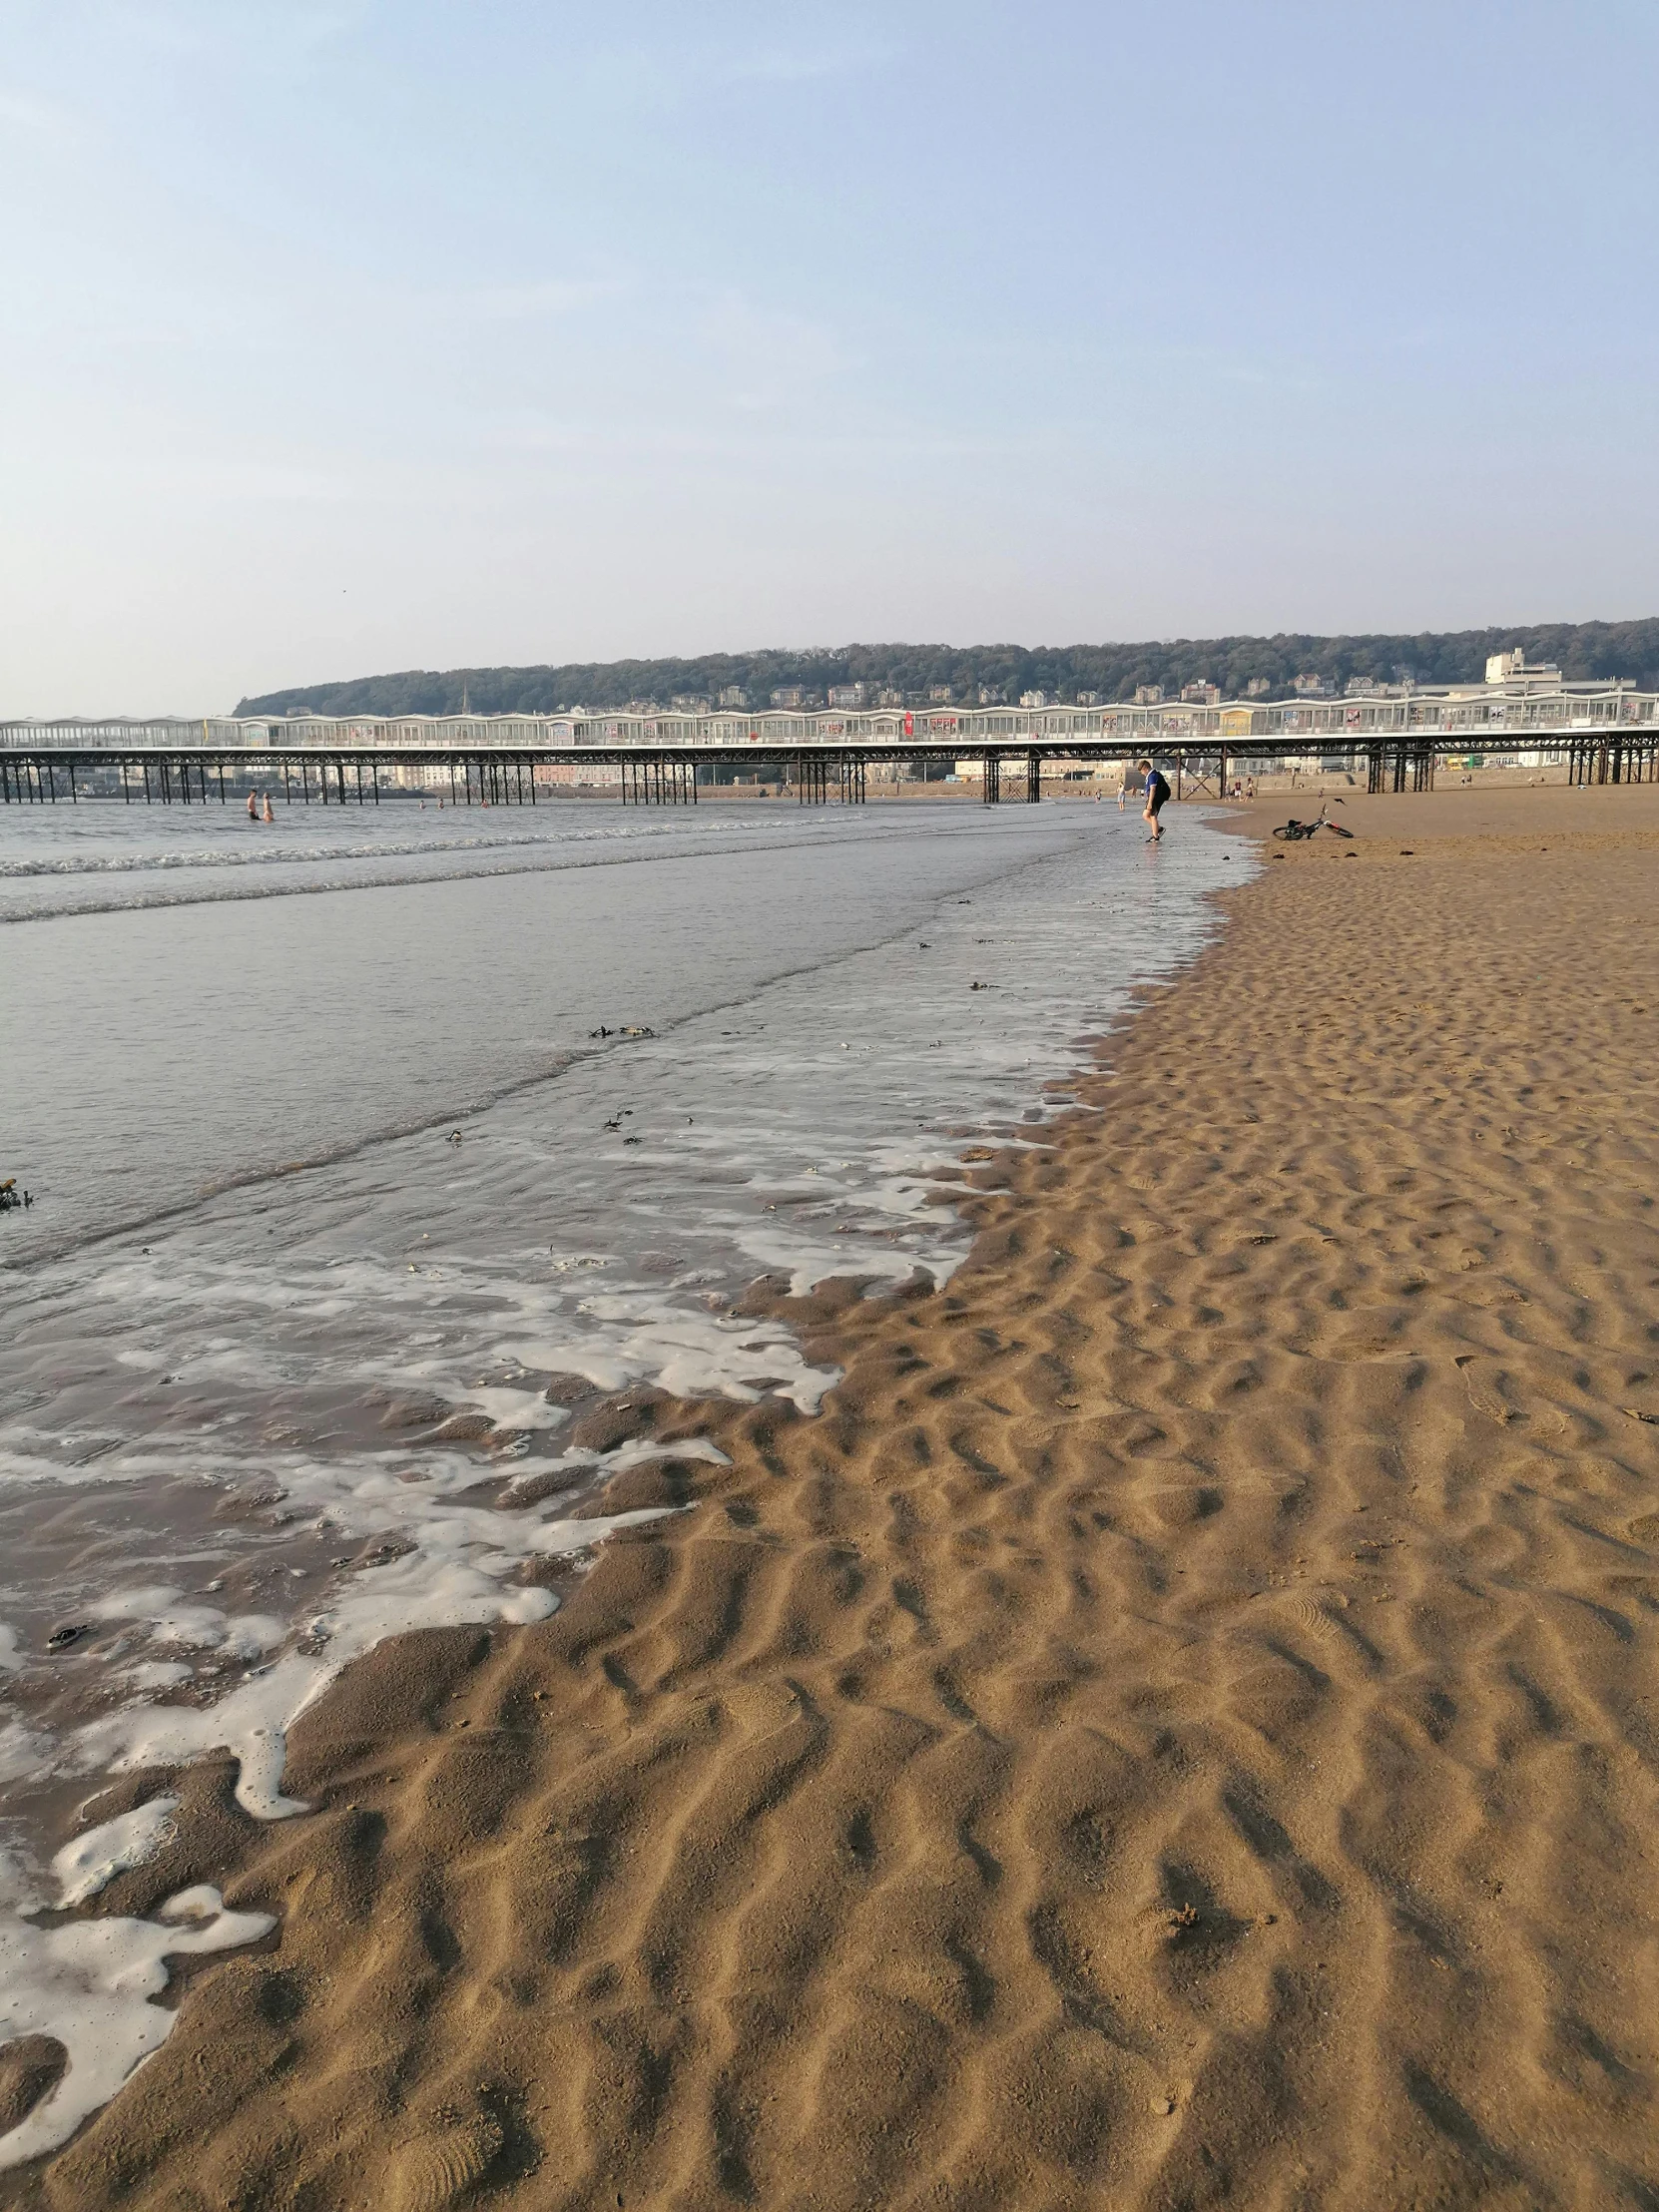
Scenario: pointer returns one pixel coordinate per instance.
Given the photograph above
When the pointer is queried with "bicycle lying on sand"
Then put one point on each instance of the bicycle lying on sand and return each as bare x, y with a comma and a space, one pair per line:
1293, 831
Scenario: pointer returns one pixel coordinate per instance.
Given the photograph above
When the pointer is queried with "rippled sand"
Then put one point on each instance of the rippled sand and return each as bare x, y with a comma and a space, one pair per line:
1179, 1728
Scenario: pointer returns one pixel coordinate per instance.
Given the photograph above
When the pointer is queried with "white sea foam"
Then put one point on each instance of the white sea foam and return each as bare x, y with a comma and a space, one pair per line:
457, 1571
89, 1983
24, 1751
646, 1337
192, 1627
89, 1986
93, 1859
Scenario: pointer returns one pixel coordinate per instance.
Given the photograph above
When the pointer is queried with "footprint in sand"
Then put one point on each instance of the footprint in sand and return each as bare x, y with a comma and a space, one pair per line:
1365, 1347
1310, 1616
1486, 1397
436, 2171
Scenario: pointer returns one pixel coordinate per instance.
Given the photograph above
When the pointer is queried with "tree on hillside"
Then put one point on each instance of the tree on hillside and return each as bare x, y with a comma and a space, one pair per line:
1582, 650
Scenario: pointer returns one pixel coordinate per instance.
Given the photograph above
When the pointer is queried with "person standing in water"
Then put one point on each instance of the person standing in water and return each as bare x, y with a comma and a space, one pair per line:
1157, 798
267, 815
253, 806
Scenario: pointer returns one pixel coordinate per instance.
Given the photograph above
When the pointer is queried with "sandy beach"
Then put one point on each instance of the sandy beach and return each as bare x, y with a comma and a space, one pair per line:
1178, 1728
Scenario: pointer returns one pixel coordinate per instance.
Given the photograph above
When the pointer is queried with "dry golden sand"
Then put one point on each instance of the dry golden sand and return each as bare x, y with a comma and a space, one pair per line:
1180, 1729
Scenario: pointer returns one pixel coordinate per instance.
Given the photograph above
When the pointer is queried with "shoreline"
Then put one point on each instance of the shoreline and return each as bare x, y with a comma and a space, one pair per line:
941, 1806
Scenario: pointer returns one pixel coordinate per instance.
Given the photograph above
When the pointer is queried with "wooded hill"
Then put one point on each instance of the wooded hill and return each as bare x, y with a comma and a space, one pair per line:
1004, 671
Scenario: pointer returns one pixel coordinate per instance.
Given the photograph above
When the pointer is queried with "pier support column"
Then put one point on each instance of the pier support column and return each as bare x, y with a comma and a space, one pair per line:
1033, 779
990, 780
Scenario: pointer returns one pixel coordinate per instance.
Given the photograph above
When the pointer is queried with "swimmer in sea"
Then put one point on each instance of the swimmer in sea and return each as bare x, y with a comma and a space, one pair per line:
268, 816
253, 808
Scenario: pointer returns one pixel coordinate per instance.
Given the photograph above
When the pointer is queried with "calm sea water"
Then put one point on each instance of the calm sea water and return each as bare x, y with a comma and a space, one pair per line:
319, 1127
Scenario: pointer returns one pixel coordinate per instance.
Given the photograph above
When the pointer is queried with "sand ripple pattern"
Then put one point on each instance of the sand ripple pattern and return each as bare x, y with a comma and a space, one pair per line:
1180, 1729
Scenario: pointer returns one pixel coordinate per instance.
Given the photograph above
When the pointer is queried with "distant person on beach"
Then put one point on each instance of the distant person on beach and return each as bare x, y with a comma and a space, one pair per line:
1157, 798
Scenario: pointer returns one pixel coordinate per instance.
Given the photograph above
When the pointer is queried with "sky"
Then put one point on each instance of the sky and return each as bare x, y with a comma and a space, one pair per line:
346, 335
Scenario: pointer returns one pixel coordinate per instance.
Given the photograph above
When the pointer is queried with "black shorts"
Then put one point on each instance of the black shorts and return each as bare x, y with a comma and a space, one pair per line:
1155, 806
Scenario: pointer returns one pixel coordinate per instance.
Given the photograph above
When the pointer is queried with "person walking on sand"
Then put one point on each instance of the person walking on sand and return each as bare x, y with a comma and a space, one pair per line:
1157, 798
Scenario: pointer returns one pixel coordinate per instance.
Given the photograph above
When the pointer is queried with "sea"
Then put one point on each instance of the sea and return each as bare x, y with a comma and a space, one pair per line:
380, 1116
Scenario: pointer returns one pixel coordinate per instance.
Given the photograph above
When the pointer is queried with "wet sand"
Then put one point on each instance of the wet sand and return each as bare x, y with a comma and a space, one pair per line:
1182, 1725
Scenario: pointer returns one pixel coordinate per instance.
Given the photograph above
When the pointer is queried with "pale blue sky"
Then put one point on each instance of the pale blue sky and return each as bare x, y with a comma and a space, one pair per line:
350, 336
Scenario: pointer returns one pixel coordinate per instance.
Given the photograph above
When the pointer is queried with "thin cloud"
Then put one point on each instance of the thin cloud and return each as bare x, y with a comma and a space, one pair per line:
802, 65
534, 301
671, 75
43, 119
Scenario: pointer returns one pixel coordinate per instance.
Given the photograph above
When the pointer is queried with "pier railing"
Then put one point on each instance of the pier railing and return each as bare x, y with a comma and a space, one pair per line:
1522, 714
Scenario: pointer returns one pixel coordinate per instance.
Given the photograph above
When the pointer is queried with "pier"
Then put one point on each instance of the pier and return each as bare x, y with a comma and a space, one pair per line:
1603, 732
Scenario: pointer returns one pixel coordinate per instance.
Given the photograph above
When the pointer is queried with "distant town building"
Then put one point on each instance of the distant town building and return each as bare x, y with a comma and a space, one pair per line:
1363, 687
734, 696
1515, 668
1201, 694
690, 702
988, 697
1033, 698
939, 695
1149, 695
1088, 699
789, 695
890, 698
1308, 686
848, 695
1257, 687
